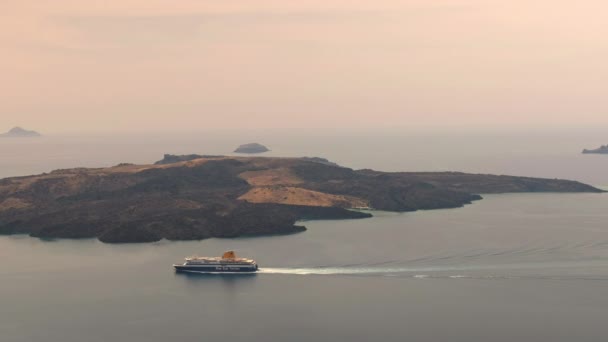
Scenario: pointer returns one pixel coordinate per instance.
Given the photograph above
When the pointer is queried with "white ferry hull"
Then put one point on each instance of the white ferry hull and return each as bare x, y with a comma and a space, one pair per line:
216, 268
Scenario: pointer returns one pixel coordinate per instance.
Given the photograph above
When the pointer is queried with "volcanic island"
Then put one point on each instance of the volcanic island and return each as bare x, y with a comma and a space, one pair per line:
196, 197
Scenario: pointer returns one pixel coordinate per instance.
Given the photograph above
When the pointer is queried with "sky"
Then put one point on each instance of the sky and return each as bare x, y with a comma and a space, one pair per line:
153, 65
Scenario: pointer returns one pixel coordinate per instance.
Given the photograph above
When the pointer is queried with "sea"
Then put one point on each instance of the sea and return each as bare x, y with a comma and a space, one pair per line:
511, 267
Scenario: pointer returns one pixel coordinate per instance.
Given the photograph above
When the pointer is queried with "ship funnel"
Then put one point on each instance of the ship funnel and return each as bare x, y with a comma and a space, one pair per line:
229, 255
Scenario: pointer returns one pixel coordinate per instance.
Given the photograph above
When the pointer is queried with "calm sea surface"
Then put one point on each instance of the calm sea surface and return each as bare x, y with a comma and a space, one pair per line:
514, 267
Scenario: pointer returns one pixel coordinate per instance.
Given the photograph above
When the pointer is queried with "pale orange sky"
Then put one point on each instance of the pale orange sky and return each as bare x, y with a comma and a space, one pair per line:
85, 65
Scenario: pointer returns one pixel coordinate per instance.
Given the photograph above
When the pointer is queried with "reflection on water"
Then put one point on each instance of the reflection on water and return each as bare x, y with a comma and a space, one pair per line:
229, 284
228, 280
204, 275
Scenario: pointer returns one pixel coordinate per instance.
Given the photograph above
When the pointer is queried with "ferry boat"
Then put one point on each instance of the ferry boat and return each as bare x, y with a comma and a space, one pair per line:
227, 263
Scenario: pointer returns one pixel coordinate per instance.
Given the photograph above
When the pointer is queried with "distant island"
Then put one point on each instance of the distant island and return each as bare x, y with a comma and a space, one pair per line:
600, 150
251, 148
18, 132
217, 196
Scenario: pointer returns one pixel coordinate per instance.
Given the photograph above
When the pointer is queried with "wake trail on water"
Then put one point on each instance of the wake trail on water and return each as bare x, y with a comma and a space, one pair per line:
354, 270
535, 270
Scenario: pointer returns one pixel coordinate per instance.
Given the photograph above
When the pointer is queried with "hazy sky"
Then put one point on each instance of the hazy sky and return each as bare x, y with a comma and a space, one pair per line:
70, 65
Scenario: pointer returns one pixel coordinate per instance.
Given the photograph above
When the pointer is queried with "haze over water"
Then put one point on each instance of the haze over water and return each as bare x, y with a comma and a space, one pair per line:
513, 267
551, 152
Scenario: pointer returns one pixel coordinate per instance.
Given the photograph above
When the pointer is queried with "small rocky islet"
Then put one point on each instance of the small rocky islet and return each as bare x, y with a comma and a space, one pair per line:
600, 150
251, 148
197, 197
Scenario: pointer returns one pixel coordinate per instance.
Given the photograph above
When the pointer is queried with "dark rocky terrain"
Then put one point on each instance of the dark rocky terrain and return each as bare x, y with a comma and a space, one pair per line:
18, 132
251, 148
198, 198
600, 150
